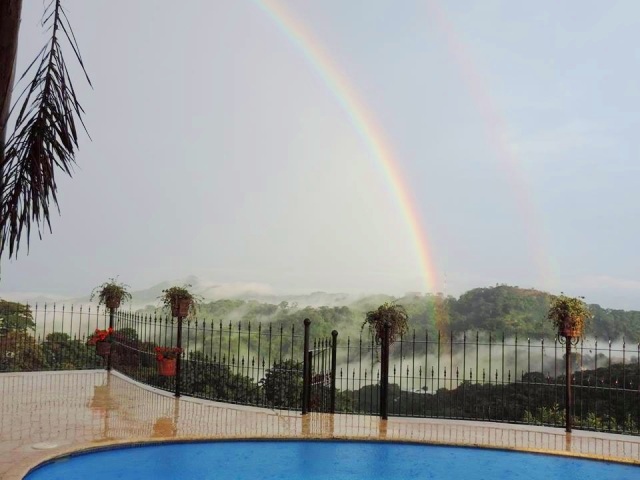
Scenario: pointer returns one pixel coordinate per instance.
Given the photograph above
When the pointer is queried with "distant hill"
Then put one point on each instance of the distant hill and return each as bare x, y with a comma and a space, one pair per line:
499, 309
513, 310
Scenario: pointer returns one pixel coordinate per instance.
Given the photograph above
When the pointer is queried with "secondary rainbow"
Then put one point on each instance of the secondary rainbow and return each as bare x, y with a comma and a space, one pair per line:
496, 129
363, 122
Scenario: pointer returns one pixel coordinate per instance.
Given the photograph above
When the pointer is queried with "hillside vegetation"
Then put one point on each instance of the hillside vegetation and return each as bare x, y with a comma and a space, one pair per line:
500, 309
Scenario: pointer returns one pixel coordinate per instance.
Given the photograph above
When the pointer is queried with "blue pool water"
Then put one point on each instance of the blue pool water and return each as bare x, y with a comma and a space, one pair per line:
254, 460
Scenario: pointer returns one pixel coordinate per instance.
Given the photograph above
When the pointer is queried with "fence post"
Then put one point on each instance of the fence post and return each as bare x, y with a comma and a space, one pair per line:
306, 368
179, 357
384, 374
567, 396
111, 315
334, 366
309, 356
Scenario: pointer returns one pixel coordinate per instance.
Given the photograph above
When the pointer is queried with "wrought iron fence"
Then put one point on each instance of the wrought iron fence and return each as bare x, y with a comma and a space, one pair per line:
49, 337
478, 376
484, 377
242, 363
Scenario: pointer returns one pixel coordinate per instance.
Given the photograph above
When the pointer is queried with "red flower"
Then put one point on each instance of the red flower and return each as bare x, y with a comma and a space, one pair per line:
100, 336
167, 352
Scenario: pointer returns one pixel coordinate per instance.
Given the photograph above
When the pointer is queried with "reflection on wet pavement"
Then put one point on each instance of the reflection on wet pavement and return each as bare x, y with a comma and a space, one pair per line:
45, 414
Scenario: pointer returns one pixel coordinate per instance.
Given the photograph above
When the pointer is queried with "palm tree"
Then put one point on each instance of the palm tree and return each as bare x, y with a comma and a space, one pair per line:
45, 137
9, 26
395, 315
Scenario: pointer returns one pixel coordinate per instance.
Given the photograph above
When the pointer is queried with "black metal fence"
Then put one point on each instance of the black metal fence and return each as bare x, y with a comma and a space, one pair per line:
242, 363
49, 338
477, 376
484, 377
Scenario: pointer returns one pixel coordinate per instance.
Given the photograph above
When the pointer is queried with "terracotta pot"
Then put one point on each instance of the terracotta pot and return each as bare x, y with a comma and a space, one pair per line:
180, 308
569, 329
112, 302
167, 367
103, 349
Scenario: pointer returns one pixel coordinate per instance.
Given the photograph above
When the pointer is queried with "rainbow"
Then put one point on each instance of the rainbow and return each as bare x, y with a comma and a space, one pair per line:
365, 124
495, 124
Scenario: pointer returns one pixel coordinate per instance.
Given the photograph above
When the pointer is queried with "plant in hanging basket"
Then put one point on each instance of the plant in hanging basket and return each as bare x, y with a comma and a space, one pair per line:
167, 353
101, 339
167, 360
394, 314
111, 293
569, 315
100, 336
167, 367
180, 301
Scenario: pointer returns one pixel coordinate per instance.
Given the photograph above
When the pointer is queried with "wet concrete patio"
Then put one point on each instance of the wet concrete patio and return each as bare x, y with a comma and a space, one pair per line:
47, 414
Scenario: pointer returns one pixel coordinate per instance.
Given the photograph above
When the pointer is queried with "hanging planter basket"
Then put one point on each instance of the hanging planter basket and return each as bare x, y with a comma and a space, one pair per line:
103, 349
569, 329
180, 308
112, 302
167, 367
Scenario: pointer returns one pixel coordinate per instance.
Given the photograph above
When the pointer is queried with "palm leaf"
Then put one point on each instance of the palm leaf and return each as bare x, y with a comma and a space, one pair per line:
45, 137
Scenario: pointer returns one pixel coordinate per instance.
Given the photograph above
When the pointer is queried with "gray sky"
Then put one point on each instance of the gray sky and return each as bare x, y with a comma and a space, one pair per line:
219, 151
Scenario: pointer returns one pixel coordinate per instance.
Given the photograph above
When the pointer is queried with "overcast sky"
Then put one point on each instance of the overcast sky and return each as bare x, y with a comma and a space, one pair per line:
219, 151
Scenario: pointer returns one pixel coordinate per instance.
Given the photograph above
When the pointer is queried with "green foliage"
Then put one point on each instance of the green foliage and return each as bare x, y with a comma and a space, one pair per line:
503, 309
552, 415
21, 352
282, 384
512, 310
609, 323
569, 312
171, 297
111, 291
65, 353
206, 378
15, 317
395, 315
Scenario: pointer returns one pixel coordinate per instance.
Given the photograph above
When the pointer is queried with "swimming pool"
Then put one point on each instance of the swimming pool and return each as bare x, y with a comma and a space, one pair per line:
336, 460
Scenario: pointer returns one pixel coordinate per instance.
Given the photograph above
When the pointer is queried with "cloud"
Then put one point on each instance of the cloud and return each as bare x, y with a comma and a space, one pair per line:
569, 137
608, 282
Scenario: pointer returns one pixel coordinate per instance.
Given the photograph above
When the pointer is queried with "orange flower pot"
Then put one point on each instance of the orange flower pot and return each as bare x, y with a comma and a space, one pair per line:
167, 367
181, 308
568, 329
103, 349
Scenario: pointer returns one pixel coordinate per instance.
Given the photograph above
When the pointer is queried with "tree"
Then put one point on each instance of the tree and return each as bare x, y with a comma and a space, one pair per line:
20, 352
214, 380
9, 27
45, 137
283, 384
15, 317
65, 353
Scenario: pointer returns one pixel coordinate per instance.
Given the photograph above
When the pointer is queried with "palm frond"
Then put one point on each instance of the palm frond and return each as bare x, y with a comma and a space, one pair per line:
45, 137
